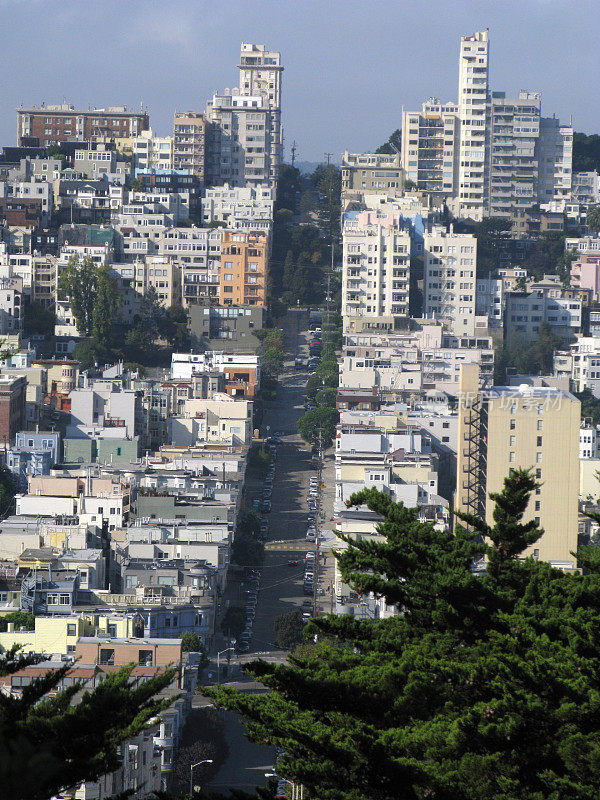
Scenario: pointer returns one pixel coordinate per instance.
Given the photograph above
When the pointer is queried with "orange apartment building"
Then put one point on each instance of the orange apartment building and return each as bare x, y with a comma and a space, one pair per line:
244, 267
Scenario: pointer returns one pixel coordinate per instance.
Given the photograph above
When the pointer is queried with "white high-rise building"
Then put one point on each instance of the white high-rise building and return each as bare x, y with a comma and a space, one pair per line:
449, 278
260, 74
555, 158
511, 176
376, 267
430, 147
472, 105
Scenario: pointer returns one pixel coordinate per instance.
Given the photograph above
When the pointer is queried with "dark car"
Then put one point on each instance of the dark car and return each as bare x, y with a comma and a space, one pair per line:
293, 562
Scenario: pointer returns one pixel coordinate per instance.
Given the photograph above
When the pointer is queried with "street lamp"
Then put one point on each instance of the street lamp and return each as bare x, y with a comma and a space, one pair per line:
227, 649
299, 793
192, 768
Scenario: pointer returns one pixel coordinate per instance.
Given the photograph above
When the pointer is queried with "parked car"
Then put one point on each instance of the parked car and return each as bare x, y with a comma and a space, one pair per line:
266, 506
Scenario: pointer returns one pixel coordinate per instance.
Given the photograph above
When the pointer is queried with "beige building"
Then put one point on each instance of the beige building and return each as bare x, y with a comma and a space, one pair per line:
372, 172
537, 428
189, 142
430, 147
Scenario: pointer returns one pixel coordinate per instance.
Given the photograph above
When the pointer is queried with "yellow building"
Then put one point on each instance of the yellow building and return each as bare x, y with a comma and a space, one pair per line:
536, 428
58, 635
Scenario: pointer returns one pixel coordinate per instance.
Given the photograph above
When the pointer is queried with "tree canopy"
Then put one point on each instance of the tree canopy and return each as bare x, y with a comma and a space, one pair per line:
93, 294
482, 688
321, 420
48, 744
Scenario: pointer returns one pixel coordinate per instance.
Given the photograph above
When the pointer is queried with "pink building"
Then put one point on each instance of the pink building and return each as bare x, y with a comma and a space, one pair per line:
585, 274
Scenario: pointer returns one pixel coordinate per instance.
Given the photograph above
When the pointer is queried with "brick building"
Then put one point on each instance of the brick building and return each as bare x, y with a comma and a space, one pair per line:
20, 212
12, 407
57, 123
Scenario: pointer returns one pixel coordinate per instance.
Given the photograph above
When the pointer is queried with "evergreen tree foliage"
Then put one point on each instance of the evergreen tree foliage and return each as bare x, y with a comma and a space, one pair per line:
482, 688
93, 294
48, 744
592, 219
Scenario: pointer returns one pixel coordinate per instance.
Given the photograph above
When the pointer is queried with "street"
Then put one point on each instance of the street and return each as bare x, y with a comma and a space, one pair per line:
281, 587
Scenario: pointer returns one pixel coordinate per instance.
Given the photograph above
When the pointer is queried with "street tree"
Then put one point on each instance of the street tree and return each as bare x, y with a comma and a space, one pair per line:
479, 688
592, 219
288, 629
320, 423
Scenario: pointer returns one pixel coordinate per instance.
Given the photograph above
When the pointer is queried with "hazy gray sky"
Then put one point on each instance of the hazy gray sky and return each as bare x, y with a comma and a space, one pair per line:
350, 65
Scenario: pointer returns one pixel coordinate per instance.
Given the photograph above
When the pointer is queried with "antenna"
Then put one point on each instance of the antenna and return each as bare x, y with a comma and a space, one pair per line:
328, 157
293, 152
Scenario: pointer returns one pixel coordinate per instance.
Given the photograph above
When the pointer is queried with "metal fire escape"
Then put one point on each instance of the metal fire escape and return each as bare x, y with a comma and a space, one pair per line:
475, 455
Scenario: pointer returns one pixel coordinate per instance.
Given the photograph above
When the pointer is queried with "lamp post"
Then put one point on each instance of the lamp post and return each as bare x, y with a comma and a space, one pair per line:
192, 768
295, 794
227, 649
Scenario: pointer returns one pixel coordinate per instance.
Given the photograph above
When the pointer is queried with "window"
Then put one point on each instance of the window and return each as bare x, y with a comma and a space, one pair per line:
512, 441
539, 441
145, 658
52, 600
539, 424
537, 505
112, 630
511, 456
65, 599
107, 656
71, 629
538, 458
513, 424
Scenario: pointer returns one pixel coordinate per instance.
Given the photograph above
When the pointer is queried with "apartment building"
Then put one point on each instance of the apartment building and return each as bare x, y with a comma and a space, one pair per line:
34, 453
580, 364
430, 147
37, 192
220, 420
397, 461
372, 172
403, 364
161, 273
228, 328
244, 264
555, 159
490, 300
376, 266
241, 140
585, 274
94, 163
189, 143
504, 428
11, 305
152, 152
513, 129
449, 279
56, 123
236, 205
260, 73
472, 102
241, 371
198, 251
13, 391
526, 311
105, 408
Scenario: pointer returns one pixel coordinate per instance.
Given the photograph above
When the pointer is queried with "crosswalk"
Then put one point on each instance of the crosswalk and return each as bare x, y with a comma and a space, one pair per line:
298, 545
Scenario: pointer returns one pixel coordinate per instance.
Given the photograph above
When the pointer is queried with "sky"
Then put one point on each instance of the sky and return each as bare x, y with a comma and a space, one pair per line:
350, 66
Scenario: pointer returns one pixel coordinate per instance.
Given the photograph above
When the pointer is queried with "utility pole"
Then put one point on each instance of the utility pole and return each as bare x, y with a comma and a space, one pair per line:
328, 157
317, 521
293, 152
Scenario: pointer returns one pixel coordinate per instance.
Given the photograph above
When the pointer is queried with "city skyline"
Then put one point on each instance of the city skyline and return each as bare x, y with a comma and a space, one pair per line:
351, 99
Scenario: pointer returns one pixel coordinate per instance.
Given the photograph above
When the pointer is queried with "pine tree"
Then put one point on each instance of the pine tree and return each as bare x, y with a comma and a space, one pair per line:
483, 688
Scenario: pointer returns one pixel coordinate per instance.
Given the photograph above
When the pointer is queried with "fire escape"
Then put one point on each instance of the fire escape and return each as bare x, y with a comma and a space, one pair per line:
475, 455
